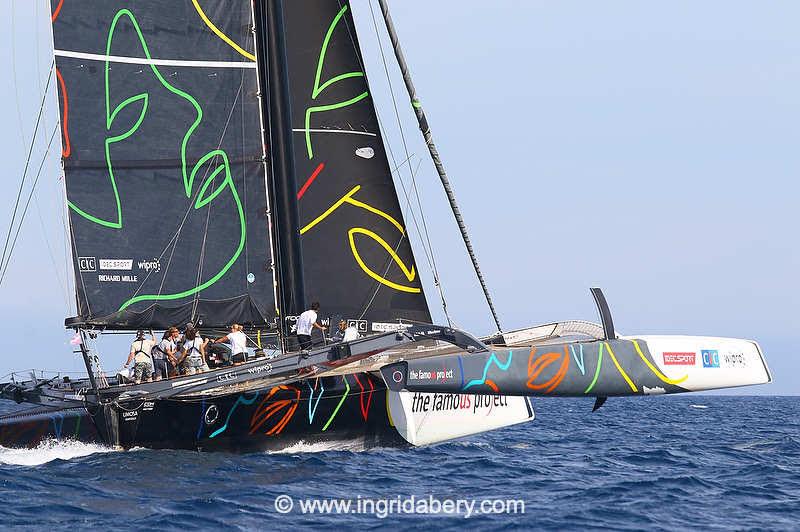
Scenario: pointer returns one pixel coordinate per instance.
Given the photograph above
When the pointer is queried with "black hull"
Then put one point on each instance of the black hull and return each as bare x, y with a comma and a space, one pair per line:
29, 428
340, 412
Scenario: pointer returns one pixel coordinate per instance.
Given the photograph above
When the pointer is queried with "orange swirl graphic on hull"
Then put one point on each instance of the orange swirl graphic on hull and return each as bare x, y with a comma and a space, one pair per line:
535, 368
267, 410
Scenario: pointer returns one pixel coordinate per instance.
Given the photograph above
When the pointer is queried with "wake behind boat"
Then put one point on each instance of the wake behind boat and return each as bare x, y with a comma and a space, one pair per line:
229, 173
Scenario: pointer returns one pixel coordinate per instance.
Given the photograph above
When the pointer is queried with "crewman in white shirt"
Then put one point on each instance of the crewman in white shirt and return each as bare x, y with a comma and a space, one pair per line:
306, 323
238, 341
345, 333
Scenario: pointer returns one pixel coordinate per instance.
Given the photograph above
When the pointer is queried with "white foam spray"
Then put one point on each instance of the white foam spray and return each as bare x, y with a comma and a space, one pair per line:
50, 450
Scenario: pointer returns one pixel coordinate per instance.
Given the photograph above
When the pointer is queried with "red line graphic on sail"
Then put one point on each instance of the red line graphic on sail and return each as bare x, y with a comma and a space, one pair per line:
67, 149
310, 180
55, 14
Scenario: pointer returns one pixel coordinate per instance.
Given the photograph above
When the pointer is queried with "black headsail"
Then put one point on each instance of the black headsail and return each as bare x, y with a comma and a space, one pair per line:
356, 252
163, 160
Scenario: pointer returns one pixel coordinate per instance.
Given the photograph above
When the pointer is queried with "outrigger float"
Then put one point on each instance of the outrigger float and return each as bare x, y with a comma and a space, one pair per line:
224, 164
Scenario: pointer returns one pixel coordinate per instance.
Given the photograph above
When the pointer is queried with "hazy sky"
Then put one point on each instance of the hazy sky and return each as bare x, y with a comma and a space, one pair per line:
647, 148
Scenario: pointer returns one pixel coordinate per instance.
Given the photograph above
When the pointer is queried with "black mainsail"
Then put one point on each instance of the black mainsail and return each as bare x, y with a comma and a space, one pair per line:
163, 159
357, 257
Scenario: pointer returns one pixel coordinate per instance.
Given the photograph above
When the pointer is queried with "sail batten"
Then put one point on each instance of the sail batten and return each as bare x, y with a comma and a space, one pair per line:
165, 173
135, 60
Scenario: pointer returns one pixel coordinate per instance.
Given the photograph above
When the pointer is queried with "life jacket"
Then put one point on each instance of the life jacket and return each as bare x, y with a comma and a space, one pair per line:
194, 348
141, 345
157, 348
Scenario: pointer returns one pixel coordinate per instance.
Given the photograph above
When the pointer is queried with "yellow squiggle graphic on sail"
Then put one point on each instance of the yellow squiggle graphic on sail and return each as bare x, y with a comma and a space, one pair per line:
410, 273
654, 369
348, 198
220, 34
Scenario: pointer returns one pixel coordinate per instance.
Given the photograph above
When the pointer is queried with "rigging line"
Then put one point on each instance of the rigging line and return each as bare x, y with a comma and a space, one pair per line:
51, 254
437, 160
339, 131
14, 73
388, 146
400, 128
27, 162
361, 65
230, 42
36, 45
378, 285
58, 206
389, 262
74, 250
242, 153
199, 278
70, 247
174, 240
210, 205
27, 204
424, 232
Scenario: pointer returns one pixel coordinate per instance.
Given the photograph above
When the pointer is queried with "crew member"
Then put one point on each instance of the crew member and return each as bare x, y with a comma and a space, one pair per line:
164, 355
140, 356
344, 333
193, 353
306, 323
238, 341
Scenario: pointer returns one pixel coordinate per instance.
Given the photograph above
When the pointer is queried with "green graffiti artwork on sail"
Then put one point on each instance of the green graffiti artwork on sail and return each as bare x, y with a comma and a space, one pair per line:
203, 197
319, 89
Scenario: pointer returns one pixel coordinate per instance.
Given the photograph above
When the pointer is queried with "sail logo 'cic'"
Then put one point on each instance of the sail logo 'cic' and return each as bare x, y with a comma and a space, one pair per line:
214, 163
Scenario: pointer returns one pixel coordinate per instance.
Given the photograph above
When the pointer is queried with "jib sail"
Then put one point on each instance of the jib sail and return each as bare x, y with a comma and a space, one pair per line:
356, 254
162, 154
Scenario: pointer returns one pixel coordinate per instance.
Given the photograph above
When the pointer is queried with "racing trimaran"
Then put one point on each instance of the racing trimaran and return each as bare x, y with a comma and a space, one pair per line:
224, 164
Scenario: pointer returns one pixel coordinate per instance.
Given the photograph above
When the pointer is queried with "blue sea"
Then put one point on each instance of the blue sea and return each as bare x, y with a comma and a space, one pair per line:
688, 462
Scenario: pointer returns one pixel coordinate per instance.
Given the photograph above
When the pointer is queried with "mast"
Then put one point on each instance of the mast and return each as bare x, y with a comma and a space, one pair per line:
273, 81
437, 161
87, 361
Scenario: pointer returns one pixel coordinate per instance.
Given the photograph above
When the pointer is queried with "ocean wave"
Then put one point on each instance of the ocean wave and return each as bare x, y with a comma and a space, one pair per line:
50, 450
302, 447
639, 463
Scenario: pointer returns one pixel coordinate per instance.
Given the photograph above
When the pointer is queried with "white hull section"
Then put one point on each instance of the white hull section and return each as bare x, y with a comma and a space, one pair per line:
700, 363
427, 418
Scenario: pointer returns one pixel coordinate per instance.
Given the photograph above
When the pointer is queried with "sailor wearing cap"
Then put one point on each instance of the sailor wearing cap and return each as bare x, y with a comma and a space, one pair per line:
140, 356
